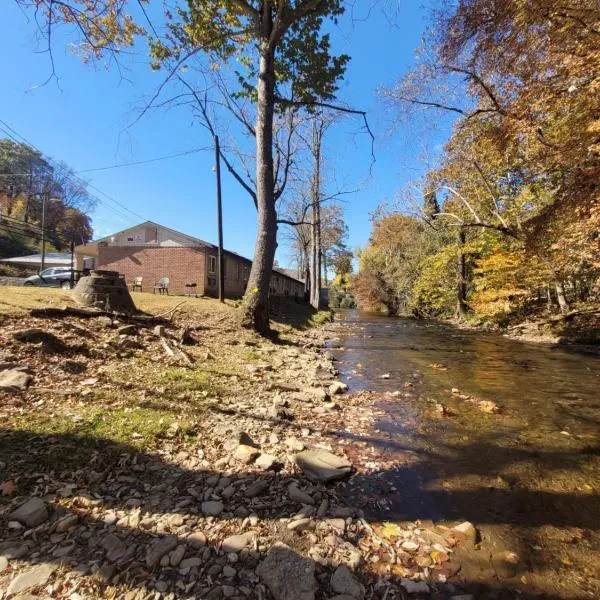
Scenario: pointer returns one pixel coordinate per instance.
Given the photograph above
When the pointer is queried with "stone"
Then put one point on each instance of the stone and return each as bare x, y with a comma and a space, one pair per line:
245, 440
245, 454
3, 563
36, 577
344, 582
337, 387
177, 555
66, 523
229, 571
266, 461
13, 549
506, 564
159, 549
115, 548
321, 465
463, 597
32, 513
127, 330
159, 330
414, 587
297, 495
301, 524
466, 531
236, 543
14, 381
294, 444
212, 508
288, 575
188, 563
257, 488
197, 539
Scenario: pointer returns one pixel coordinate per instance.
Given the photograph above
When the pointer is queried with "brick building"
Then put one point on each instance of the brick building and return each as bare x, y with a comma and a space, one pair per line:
152, 251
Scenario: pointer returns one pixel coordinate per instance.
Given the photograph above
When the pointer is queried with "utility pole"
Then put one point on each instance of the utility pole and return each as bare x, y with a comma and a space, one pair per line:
220, 221
44, 198
72, 263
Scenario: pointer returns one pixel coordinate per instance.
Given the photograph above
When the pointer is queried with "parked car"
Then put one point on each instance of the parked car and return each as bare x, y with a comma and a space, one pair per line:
53, 277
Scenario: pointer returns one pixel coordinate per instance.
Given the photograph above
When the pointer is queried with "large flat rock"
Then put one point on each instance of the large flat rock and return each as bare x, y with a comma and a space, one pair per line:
321, 465
288, 575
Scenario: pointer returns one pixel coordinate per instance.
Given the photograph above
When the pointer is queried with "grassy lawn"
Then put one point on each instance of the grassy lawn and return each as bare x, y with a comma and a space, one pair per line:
96, 392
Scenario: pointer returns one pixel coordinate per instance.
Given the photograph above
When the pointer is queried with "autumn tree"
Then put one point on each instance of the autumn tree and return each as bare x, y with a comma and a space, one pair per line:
521, 78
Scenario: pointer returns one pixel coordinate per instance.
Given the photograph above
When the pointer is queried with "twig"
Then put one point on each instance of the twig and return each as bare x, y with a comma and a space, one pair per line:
166, 346
170, 312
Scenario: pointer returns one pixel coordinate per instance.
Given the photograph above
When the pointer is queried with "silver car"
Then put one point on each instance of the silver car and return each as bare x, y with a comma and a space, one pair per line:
52, 277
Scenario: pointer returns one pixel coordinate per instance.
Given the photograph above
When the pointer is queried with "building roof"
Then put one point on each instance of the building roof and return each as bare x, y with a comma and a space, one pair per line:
193, 241
52, 259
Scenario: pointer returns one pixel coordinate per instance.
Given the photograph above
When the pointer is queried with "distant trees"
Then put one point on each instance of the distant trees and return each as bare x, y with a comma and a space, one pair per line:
514, 203
27, 179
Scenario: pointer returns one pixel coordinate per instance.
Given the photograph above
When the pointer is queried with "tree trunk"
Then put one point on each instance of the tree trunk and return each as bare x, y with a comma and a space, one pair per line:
255, 306
315, 291
560, 296
461, 286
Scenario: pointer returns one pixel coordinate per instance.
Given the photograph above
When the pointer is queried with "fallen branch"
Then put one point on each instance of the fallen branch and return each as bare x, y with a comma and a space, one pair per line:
168, 349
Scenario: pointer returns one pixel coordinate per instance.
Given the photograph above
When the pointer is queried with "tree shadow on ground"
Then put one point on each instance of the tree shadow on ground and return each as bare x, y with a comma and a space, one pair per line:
128, 501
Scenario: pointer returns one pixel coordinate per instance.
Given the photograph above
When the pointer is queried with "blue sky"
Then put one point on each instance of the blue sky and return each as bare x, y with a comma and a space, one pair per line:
82, 119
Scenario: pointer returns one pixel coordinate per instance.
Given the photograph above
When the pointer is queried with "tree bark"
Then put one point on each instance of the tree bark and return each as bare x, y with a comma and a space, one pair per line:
255, 306
560, 296
461, 286
315, 288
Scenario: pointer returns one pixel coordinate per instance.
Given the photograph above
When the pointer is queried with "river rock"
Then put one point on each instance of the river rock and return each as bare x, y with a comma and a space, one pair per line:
338, 387
343, 582
506, 564
160, 548
66, 523
245, 454
466, 532
188, 563
414, 587
197, 539
297, 495
177, 555
236, 543
14, 381
3, 563
321, 465
32, 513
266, 461
115, 548
288, 575
36, 577
212, 508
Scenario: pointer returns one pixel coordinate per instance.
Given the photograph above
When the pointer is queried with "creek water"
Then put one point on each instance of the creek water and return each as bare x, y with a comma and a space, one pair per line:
474, 426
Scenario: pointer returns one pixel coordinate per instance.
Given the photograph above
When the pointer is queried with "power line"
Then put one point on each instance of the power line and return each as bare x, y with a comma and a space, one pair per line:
12, 133
143, 162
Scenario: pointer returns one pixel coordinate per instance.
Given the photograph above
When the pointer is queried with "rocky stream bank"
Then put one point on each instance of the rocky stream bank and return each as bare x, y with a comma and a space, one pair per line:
182, 458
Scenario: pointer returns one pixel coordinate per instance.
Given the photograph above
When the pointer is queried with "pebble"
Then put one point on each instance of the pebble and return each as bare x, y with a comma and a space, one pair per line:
159, 549
212, 508
297, 495
188, 563
236, 543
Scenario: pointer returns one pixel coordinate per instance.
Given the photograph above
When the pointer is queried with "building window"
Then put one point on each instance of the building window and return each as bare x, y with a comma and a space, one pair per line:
212, 264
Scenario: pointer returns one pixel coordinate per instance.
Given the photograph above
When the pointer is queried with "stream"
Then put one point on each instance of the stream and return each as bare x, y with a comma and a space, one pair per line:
475, 426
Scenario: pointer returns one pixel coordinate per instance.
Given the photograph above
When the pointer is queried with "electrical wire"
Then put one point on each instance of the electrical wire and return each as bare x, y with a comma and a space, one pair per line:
122, 210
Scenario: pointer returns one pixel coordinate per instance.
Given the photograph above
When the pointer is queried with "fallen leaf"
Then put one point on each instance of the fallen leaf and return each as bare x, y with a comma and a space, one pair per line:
7, 488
